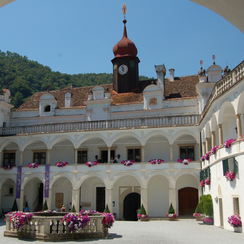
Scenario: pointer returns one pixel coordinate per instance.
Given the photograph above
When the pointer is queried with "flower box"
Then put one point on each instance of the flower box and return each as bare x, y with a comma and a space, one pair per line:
235, 221
91, 163
61, 164
184, 161
128, 162
230, 175
156, 161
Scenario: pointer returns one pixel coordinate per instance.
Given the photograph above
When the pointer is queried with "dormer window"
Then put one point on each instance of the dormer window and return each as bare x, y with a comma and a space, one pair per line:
153, 101
47, 108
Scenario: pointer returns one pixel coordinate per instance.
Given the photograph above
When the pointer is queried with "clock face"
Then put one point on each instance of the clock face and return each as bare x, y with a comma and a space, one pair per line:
123, 69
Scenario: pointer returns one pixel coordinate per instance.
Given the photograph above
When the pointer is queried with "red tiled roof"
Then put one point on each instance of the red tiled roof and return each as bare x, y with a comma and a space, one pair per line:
181, 87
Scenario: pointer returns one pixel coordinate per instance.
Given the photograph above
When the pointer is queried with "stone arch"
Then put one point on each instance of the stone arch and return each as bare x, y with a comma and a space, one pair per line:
32, 140
89, 137
124, 134
153, 174
27, 179
153, 133
60, 139
5, 178
158, 195
57, 177
87, 176
7, 194
223, 105
185, 132
9, 141
121, 175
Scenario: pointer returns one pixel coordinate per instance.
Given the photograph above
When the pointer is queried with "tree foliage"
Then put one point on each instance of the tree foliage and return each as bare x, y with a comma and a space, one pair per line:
25, 77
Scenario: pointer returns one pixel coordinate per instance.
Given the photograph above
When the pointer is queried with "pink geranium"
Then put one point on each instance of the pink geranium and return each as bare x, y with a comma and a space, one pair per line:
230, 175
214, 149
207, 181
202, 183
227, 143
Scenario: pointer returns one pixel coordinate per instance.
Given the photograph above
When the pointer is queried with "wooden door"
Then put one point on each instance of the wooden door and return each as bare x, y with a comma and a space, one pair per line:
100, 199
188, 199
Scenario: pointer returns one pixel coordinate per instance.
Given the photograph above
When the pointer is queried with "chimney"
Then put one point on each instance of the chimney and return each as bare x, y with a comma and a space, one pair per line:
171, 74
68, 100
161, 72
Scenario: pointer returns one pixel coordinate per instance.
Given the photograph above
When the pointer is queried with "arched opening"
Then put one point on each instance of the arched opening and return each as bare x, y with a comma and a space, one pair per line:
153, 101
47, 108
188, 199
7, 196
33, 195
131, 203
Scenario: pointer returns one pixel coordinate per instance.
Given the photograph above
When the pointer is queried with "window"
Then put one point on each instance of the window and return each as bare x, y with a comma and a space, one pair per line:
9, 158
229, 165
236, 205
153, 101
104, 156
134, 154
47, 108
11, 191
187, 152
39, 158
204, 174
82, 157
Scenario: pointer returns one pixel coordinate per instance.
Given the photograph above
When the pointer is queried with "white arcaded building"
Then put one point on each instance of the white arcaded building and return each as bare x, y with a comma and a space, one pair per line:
167, 118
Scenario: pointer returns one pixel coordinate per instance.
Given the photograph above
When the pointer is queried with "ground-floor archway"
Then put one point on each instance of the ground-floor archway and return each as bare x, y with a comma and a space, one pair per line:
188, 199
131, 203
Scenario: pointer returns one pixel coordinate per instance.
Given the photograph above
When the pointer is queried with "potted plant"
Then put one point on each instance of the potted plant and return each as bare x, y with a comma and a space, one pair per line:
171, 213
143, 214
235, 221
207, 209
199, 211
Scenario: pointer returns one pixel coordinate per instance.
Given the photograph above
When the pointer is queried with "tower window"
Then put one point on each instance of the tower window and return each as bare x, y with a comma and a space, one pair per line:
47, 108
153, 101
132, 63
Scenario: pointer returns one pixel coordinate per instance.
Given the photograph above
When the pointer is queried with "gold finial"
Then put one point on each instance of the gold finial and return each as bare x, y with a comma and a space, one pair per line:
124, 9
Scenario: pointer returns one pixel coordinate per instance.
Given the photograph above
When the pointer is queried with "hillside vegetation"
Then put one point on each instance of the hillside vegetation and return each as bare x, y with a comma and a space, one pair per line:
25, 77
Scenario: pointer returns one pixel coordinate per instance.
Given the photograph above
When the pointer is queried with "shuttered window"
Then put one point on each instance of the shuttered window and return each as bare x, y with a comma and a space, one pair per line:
236, 205
225, 166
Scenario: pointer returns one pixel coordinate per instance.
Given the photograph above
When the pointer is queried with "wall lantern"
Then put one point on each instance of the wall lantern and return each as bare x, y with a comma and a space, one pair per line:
216, 199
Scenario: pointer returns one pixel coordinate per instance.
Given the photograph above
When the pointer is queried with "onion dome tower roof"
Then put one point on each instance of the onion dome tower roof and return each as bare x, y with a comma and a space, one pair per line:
125, 47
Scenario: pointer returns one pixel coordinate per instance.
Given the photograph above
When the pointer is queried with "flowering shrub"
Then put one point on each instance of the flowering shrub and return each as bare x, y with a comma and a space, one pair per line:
202, 183
202, 158
19, 219
89, 212
207, 181
156, 161
61, 164
230, 175
207, 155
197, 215
8, 167
214, 149
142, 216
33, 165
76, 222
171, 215
227, 143
208, 220
91, 163
108, 220
235, 220
184, 161
128, 162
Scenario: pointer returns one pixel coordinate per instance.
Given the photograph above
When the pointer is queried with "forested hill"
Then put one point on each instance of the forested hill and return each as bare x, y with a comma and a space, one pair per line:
25, 77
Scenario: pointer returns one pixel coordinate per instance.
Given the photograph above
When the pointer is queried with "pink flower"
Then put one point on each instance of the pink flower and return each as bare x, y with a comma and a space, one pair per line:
202, 183
207, 181
214, 149
230, 175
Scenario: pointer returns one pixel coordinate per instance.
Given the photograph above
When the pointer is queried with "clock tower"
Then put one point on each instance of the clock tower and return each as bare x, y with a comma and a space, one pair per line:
125, 64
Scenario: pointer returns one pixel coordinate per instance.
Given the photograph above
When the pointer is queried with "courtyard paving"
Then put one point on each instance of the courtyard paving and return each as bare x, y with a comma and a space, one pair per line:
182, 231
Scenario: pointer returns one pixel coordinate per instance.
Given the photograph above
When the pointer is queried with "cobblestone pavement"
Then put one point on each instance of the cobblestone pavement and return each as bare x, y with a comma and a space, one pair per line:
182, 231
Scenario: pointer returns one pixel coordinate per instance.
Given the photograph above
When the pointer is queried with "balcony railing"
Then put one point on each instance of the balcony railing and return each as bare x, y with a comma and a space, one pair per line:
166, 121
222, 86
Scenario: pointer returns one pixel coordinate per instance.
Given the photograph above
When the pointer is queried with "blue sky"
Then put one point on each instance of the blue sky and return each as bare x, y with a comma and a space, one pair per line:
77, 36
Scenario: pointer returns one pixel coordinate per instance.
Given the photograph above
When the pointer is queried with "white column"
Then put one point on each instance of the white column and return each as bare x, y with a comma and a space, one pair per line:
144, 198
76, 153
213, 138
172, 199
171, 152
221, 142
21, 158
203, 148
109, 154
49, 200
20, 201
109, 199
76, 199
143, 154
207, 144
48, 156
239, 127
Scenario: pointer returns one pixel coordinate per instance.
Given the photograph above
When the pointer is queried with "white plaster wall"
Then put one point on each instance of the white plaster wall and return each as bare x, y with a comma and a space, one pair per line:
62, 185
7, 201
157, 150
62, 154
229, 125
31, 192
158, 196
